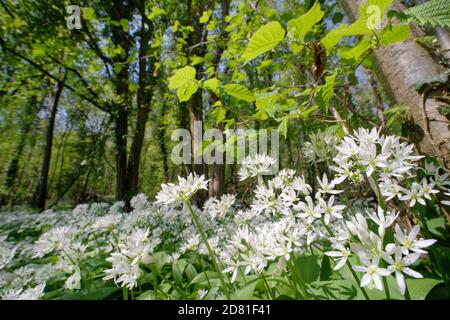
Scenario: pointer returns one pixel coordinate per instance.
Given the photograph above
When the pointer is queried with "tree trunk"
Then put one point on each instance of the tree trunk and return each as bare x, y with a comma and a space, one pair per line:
217, 184
400, 67
121, 10
144, 96
40, 194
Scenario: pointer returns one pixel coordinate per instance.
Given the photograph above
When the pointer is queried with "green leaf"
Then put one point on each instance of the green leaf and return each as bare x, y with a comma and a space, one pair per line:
240, 92
219, 114
369, 14
264, 39
326, 91
212, 84
203, 277
437, 226
299, 27
325, 269
184, 82
357, 51
88, 14
246, 293
308, 267
419, 288
434, 12
205, 16
395, 34
283, 127
190, 272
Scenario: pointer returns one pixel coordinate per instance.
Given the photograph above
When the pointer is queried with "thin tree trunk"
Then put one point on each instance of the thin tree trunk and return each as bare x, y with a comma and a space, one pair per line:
40, 194
144, 97
400, 67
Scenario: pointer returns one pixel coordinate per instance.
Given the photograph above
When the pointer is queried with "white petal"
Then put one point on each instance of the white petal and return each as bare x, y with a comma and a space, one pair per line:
365, 280
412, 273
400, 282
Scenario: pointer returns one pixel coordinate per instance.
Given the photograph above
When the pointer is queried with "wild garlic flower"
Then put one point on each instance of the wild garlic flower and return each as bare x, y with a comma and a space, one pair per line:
218, 209
341, 252
367, 152
410, 242
383, 221
372, 273
176, 194
399, 264
256, 166
134, 249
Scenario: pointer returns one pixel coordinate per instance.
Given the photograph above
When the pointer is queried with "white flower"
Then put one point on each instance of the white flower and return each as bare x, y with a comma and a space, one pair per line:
256, 166
412, 195
24, 294
342, 252
175, 194
426, 189
383, 221
372, 273
327, 187
218, 209
309, 210
330, 210
400, 265
409, 242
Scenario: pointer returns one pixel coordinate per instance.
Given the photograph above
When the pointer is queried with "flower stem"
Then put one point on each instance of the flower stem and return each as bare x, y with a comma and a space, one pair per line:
297, 275
210, 251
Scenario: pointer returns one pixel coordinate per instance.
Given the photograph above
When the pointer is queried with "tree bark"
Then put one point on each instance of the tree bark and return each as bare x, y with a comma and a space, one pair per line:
144, 97
400, 67
217, 184
40, 194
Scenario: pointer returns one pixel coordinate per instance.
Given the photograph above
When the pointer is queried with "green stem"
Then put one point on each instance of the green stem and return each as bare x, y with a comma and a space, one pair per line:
349, 265
210, 251
125, 293
267, 286
299, 279
407, 295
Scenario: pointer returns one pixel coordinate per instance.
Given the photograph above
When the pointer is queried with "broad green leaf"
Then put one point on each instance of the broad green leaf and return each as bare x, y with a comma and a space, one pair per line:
246, 293
212, 84
437, 226
203, 277
264, 39
370, 15
190, 272
184, 82
219, 114
299, 27
395, 34
240, 92
357, 51
261, 115
309, 267
325, 269
419, 288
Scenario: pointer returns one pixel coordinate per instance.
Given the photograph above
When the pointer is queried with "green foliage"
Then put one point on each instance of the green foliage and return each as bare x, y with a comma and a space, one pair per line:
435, 13
184, 82
264, 39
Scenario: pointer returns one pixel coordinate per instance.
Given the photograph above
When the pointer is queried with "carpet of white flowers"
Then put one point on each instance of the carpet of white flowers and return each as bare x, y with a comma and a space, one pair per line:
342, 238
